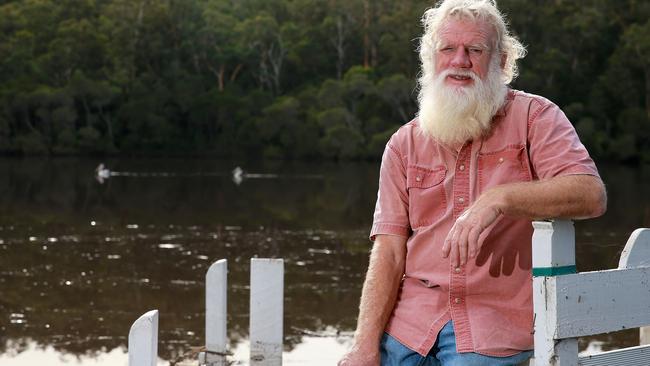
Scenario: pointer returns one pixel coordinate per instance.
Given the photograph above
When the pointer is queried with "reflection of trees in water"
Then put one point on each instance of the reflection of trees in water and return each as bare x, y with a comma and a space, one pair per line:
304, 195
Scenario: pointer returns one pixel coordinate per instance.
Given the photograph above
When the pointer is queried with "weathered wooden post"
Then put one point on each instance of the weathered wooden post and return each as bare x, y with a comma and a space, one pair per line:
143, 340
637, 254
266, 312
216, 292
553, 255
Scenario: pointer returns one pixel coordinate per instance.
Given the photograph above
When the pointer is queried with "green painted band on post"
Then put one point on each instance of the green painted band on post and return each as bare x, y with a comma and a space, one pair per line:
553, 271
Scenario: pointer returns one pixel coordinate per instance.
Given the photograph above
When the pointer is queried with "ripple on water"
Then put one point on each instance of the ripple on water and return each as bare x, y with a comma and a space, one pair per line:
319, 251
169, 246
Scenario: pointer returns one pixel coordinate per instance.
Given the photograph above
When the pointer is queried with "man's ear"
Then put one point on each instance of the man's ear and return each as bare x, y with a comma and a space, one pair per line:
504, 58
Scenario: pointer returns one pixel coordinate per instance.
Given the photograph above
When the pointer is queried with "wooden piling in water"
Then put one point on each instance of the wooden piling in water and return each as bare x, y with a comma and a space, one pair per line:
216, 294
143, 340
266, 312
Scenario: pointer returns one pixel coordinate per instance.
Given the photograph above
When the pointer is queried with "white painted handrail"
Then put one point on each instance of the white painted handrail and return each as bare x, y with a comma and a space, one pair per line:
569, 305
143, 340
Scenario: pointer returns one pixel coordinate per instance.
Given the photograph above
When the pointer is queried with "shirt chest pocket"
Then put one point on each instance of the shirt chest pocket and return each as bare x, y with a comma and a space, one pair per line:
508, 165
426, 191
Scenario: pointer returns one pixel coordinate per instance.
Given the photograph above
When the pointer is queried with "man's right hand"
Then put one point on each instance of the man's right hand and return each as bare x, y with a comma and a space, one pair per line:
358, 357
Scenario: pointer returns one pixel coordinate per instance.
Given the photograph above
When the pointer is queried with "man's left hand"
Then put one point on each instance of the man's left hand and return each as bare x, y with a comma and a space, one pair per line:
469, 231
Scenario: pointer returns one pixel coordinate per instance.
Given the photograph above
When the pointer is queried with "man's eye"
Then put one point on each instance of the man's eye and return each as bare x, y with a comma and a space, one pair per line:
476, 51
446, 49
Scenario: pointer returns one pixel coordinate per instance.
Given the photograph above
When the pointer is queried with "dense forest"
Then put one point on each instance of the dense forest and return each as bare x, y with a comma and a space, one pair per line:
289, 78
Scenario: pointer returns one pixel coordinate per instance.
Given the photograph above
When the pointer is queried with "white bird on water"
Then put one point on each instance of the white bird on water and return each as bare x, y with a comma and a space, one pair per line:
237, 175
101, 173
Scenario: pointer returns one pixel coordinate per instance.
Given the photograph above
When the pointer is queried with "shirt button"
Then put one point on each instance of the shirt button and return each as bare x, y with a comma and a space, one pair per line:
457, 300
461, 168
500, 160
461, 200
418, 178
457, 269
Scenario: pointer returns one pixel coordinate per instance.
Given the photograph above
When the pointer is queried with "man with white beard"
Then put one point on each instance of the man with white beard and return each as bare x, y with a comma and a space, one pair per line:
449, 281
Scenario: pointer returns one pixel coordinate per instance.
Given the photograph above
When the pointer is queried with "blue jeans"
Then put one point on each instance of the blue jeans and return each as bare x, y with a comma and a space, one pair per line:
443, 353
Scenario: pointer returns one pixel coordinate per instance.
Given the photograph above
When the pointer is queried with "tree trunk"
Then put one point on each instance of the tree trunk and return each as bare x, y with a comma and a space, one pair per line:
647, 89
236, 71
109, 128
222, 71
366, 33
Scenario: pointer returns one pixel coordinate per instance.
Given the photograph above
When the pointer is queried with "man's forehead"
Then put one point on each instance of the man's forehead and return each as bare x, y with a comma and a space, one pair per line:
466, 31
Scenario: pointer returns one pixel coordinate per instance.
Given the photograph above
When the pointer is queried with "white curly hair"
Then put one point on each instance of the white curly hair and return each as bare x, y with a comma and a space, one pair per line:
486, 10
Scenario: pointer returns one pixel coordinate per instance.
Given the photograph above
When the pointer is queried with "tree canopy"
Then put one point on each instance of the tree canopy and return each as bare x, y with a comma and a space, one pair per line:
289, 78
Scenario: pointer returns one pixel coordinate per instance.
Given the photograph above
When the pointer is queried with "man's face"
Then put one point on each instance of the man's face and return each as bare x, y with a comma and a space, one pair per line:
464, 47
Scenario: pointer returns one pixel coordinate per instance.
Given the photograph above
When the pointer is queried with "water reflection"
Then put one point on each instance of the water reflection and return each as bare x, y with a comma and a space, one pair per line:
80, 261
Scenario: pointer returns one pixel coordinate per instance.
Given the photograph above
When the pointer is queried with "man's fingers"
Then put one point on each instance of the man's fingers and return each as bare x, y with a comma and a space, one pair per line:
446, 247
455, 240
462, 246
473, 242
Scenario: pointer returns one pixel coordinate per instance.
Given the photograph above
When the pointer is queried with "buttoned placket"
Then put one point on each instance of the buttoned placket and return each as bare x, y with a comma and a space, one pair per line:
457, 275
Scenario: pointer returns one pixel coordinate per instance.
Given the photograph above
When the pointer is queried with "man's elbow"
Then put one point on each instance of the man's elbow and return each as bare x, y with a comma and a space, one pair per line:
596, 198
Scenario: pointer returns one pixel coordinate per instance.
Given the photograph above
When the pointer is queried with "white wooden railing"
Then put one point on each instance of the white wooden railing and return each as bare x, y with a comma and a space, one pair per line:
266, 323
569, 305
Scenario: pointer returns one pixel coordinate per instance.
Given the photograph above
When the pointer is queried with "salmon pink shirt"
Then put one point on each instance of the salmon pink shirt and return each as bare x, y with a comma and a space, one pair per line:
424, 186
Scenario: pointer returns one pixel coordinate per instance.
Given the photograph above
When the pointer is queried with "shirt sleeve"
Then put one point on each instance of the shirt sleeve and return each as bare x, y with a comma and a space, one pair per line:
391, 210
555, 149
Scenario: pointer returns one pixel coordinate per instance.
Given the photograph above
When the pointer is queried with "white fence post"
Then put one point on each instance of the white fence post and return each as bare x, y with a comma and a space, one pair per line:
216, 285
637, 254
143, 340
266, 312
553, 255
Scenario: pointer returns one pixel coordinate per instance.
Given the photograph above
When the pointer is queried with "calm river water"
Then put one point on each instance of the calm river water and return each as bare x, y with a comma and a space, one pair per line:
80, 260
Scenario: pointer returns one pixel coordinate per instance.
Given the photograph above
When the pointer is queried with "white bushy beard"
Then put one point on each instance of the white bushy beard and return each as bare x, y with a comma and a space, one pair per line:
454, 114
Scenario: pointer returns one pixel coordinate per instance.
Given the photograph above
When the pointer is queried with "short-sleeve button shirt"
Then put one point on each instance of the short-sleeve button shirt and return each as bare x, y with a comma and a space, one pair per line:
425, 186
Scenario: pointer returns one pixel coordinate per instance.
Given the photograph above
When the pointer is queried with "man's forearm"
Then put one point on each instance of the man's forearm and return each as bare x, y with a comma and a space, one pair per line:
573, 196
380, 288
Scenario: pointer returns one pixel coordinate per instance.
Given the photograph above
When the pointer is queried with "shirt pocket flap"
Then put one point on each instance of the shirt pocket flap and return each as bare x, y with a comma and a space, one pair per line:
418, 177
510, 155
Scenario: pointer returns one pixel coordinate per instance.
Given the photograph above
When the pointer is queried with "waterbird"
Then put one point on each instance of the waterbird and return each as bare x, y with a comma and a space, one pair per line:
101, 173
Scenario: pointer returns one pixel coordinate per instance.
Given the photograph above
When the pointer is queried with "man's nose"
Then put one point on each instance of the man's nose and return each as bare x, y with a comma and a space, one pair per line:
461, 58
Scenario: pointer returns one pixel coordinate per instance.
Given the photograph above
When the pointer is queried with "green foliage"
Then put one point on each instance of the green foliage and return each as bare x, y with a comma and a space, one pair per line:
289, 79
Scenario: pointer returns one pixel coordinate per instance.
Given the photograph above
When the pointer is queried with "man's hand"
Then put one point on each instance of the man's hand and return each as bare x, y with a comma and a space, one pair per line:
466, 237
571, 196
359, 357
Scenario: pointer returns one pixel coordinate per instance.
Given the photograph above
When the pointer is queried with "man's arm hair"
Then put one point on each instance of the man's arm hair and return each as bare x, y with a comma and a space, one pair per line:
378, 296
571, 197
